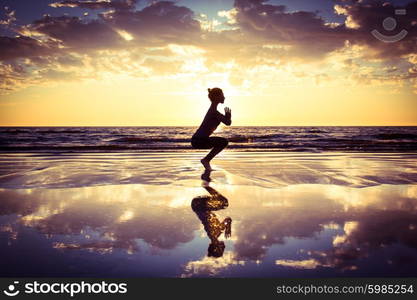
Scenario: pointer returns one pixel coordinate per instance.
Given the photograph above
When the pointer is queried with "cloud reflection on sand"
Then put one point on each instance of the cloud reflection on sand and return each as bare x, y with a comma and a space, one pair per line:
118, 214
339, 228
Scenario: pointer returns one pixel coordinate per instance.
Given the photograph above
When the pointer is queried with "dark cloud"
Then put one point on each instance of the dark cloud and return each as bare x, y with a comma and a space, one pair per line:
159, 23
16, 47
310, 35
366, 16
164, 22
97, 4
75, 33
305, 31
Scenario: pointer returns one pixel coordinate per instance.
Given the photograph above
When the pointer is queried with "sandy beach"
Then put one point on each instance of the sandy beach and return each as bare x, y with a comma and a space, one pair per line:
129, 214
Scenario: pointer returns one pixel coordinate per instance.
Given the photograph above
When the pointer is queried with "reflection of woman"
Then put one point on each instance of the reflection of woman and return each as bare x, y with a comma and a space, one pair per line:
204, 206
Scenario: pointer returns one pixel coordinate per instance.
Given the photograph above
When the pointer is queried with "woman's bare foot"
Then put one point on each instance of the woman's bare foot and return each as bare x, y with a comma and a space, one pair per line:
206, 164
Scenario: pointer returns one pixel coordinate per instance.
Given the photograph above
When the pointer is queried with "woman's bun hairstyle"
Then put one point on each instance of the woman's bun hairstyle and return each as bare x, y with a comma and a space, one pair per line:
214, 92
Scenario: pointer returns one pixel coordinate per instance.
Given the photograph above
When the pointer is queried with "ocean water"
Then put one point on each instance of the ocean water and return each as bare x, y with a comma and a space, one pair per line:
311, 139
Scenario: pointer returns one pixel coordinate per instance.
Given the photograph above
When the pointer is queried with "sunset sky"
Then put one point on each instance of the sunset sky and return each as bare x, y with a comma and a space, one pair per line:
139, 63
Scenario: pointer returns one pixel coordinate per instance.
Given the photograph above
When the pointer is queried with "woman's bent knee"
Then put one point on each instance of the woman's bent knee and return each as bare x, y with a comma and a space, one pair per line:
200, 143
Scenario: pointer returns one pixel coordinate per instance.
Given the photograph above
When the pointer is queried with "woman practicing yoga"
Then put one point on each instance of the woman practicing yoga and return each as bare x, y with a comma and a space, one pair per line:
201, 138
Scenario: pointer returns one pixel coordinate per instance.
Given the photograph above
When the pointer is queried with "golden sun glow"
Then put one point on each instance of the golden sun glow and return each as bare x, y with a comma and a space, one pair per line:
109, 71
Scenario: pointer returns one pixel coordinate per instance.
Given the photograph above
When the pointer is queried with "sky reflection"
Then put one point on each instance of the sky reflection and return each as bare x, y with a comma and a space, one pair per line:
145, 230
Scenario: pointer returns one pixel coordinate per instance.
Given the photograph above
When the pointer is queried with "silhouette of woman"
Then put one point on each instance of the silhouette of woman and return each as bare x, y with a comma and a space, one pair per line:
201, 138
204, 206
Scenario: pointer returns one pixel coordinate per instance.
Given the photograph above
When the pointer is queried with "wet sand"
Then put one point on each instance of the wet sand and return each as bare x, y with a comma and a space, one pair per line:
130, 214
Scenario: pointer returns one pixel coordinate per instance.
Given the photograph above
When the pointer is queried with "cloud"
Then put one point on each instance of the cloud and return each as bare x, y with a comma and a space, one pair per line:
74, 33
365, 16
10, 17
210, 266
256, 37
306, 32
161, 67
367, 236
298, 264
160, 23
113, 228
366, 225
230, 15
97, 4
16, 47
102, 247
311, 36
121, 34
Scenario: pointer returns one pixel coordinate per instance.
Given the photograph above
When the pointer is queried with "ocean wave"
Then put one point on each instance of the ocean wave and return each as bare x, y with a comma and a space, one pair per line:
40, 131
134, 140
300, 146
396, 136
380, 139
